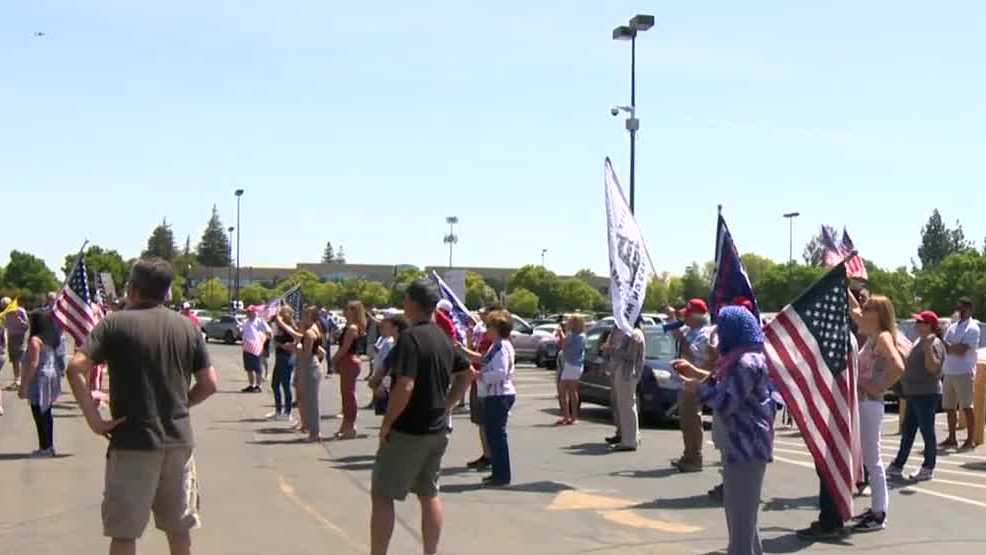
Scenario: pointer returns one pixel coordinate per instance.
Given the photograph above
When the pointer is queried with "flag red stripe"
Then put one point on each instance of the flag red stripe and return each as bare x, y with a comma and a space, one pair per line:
80, 319
830, 462
823, 384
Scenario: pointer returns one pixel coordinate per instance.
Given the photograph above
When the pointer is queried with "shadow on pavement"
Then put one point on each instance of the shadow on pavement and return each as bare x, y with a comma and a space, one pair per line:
76, 415
25, 456
275, 431
791, 543
694, 502
242, 421
296, 441
353, 459
459, 470
589, 449
354, 467
975, 466
786, 503
658, 473
533, 487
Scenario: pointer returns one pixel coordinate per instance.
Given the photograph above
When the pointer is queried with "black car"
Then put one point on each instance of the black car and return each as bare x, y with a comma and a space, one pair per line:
657, 392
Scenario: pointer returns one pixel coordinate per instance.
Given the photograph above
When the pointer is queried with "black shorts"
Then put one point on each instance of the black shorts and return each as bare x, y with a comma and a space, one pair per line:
251, 363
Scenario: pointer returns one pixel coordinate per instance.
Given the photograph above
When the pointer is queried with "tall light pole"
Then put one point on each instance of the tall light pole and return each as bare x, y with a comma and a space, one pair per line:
451, 239
229, 270
239, 194
629, 32
790, 218
543, 252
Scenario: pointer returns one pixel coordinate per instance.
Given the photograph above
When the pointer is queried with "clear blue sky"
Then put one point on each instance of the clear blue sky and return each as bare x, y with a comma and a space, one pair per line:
366, 123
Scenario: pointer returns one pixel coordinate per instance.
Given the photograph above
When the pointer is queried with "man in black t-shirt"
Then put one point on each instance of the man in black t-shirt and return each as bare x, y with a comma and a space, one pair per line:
152, 353
415, 430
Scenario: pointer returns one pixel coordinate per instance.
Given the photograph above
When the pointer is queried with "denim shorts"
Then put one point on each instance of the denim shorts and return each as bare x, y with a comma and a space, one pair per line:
251, 363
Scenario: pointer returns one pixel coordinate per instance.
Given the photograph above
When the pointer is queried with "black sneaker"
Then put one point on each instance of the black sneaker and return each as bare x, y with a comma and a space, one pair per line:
873, 522
614, 440
482, 463
715, 493
490, 482
815, 532
247, 389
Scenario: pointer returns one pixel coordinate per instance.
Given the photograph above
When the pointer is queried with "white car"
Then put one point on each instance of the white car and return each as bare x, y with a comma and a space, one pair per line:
534, 344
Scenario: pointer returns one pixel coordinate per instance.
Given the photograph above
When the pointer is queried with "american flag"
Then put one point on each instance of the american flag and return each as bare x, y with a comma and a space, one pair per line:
74, 309
836, 250
812, 364
292, 297
731, 282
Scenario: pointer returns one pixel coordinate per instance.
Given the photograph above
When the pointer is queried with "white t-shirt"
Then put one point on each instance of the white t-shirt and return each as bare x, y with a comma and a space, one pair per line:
497, 374
965, 332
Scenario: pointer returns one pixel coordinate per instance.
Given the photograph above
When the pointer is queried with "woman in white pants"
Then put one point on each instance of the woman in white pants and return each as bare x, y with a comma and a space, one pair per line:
880, 366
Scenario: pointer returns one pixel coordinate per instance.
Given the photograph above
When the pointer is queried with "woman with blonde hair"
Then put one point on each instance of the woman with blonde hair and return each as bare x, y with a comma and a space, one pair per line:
347, 363
573, 364
309, 372
881, 364
286, 336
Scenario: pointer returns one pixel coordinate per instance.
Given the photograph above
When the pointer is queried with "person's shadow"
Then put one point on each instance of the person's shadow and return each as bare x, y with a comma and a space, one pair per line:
589, 449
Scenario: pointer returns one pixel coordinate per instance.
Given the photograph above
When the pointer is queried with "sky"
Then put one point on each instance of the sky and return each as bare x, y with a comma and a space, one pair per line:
367, 123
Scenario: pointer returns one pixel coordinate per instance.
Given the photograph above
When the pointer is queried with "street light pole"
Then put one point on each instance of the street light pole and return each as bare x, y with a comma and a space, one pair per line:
543, 252
629, 32
229, 270
790, 218
239, 194
451, 239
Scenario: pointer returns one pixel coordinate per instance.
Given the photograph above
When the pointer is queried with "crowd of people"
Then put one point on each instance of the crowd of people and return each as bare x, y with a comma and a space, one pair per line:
423, 367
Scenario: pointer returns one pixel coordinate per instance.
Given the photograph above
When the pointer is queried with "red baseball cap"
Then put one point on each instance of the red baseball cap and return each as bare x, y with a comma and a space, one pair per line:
928, 317
696, 306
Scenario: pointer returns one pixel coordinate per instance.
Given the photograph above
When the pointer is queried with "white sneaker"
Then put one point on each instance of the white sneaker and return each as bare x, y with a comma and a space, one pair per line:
283, 417
272, 416
43, 453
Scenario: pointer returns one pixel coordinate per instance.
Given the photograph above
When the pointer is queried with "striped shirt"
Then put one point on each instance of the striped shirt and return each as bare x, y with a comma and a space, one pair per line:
743, 404
497, 374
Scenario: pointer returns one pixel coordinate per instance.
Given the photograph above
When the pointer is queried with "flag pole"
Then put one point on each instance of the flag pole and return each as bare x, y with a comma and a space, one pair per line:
78, 257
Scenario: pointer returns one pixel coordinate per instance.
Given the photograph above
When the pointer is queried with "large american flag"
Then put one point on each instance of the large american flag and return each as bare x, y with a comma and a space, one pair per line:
74, 309
835, 250
812, 364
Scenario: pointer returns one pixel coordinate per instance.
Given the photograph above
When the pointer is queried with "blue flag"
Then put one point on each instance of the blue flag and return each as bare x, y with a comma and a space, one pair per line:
460, 314
731, 284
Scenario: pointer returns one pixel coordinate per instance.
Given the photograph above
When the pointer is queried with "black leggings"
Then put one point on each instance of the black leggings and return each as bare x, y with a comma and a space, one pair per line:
45, 425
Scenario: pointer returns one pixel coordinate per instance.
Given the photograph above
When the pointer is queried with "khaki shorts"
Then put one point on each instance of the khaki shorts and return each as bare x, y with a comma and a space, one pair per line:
957, 392
408, 464
138, 482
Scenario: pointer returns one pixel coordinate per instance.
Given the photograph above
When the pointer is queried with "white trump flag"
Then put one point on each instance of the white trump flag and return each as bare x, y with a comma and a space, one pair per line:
630, 266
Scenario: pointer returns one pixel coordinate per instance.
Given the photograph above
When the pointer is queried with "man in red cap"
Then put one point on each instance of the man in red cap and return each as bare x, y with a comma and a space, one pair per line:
695, 346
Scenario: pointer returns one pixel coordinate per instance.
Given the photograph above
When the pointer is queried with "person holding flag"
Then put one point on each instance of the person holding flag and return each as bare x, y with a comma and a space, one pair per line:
255, 334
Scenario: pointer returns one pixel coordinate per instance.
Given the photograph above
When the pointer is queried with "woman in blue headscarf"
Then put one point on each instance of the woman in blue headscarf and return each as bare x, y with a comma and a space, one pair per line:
739, 393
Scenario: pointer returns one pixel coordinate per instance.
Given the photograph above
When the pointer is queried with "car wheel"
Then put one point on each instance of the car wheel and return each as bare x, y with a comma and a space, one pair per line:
230, 338
538, 360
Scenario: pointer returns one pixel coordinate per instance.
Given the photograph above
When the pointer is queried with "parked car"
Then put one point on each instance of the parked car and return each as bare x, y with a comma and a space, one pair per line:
204, 316
533, 344
226, 327
657, 392
547, 355
647, 321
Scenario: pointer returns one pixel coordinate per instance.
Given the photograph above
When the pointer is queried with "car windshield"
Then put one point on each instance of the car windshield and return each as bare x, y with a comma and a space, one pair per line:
659, 344
547, 329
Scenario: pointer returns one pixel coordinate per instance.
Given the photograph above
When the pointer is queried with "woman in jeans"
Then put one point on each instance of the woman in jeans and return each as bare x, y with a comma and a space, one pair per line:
921, 386
739, 393
40, 382
880, 366
286, 336
309, 372
495, 386
347, 363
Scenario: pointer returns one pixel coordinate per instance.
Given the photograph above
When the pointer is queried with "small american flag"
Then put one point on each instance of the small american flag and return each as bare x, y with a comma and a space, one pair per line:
836, 250
74, 309
460, 315
812, 364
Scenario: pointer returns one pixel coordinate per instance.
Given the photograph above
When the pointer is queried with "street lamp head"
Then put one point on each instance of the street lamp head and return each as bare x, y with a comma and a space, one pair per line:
624, 32
641, 22
452, 220
230, 229
238, 192
792, 214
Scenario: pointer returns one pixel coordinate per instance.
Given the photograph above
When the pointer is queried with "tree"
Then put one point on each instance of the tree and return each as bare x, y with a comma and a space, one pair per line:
523, 302
161, 243
960, 274
255, 293
575, 294
213, 249
478, 294
813, 254
898, 286
783, 283
187, 251
402, 279
370, 293
540, 281
341, 255
326, 295
99, 261
586, 275
211, 294
29, 273
328, 255
695, 284
756, 267
937, 241
657, 296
